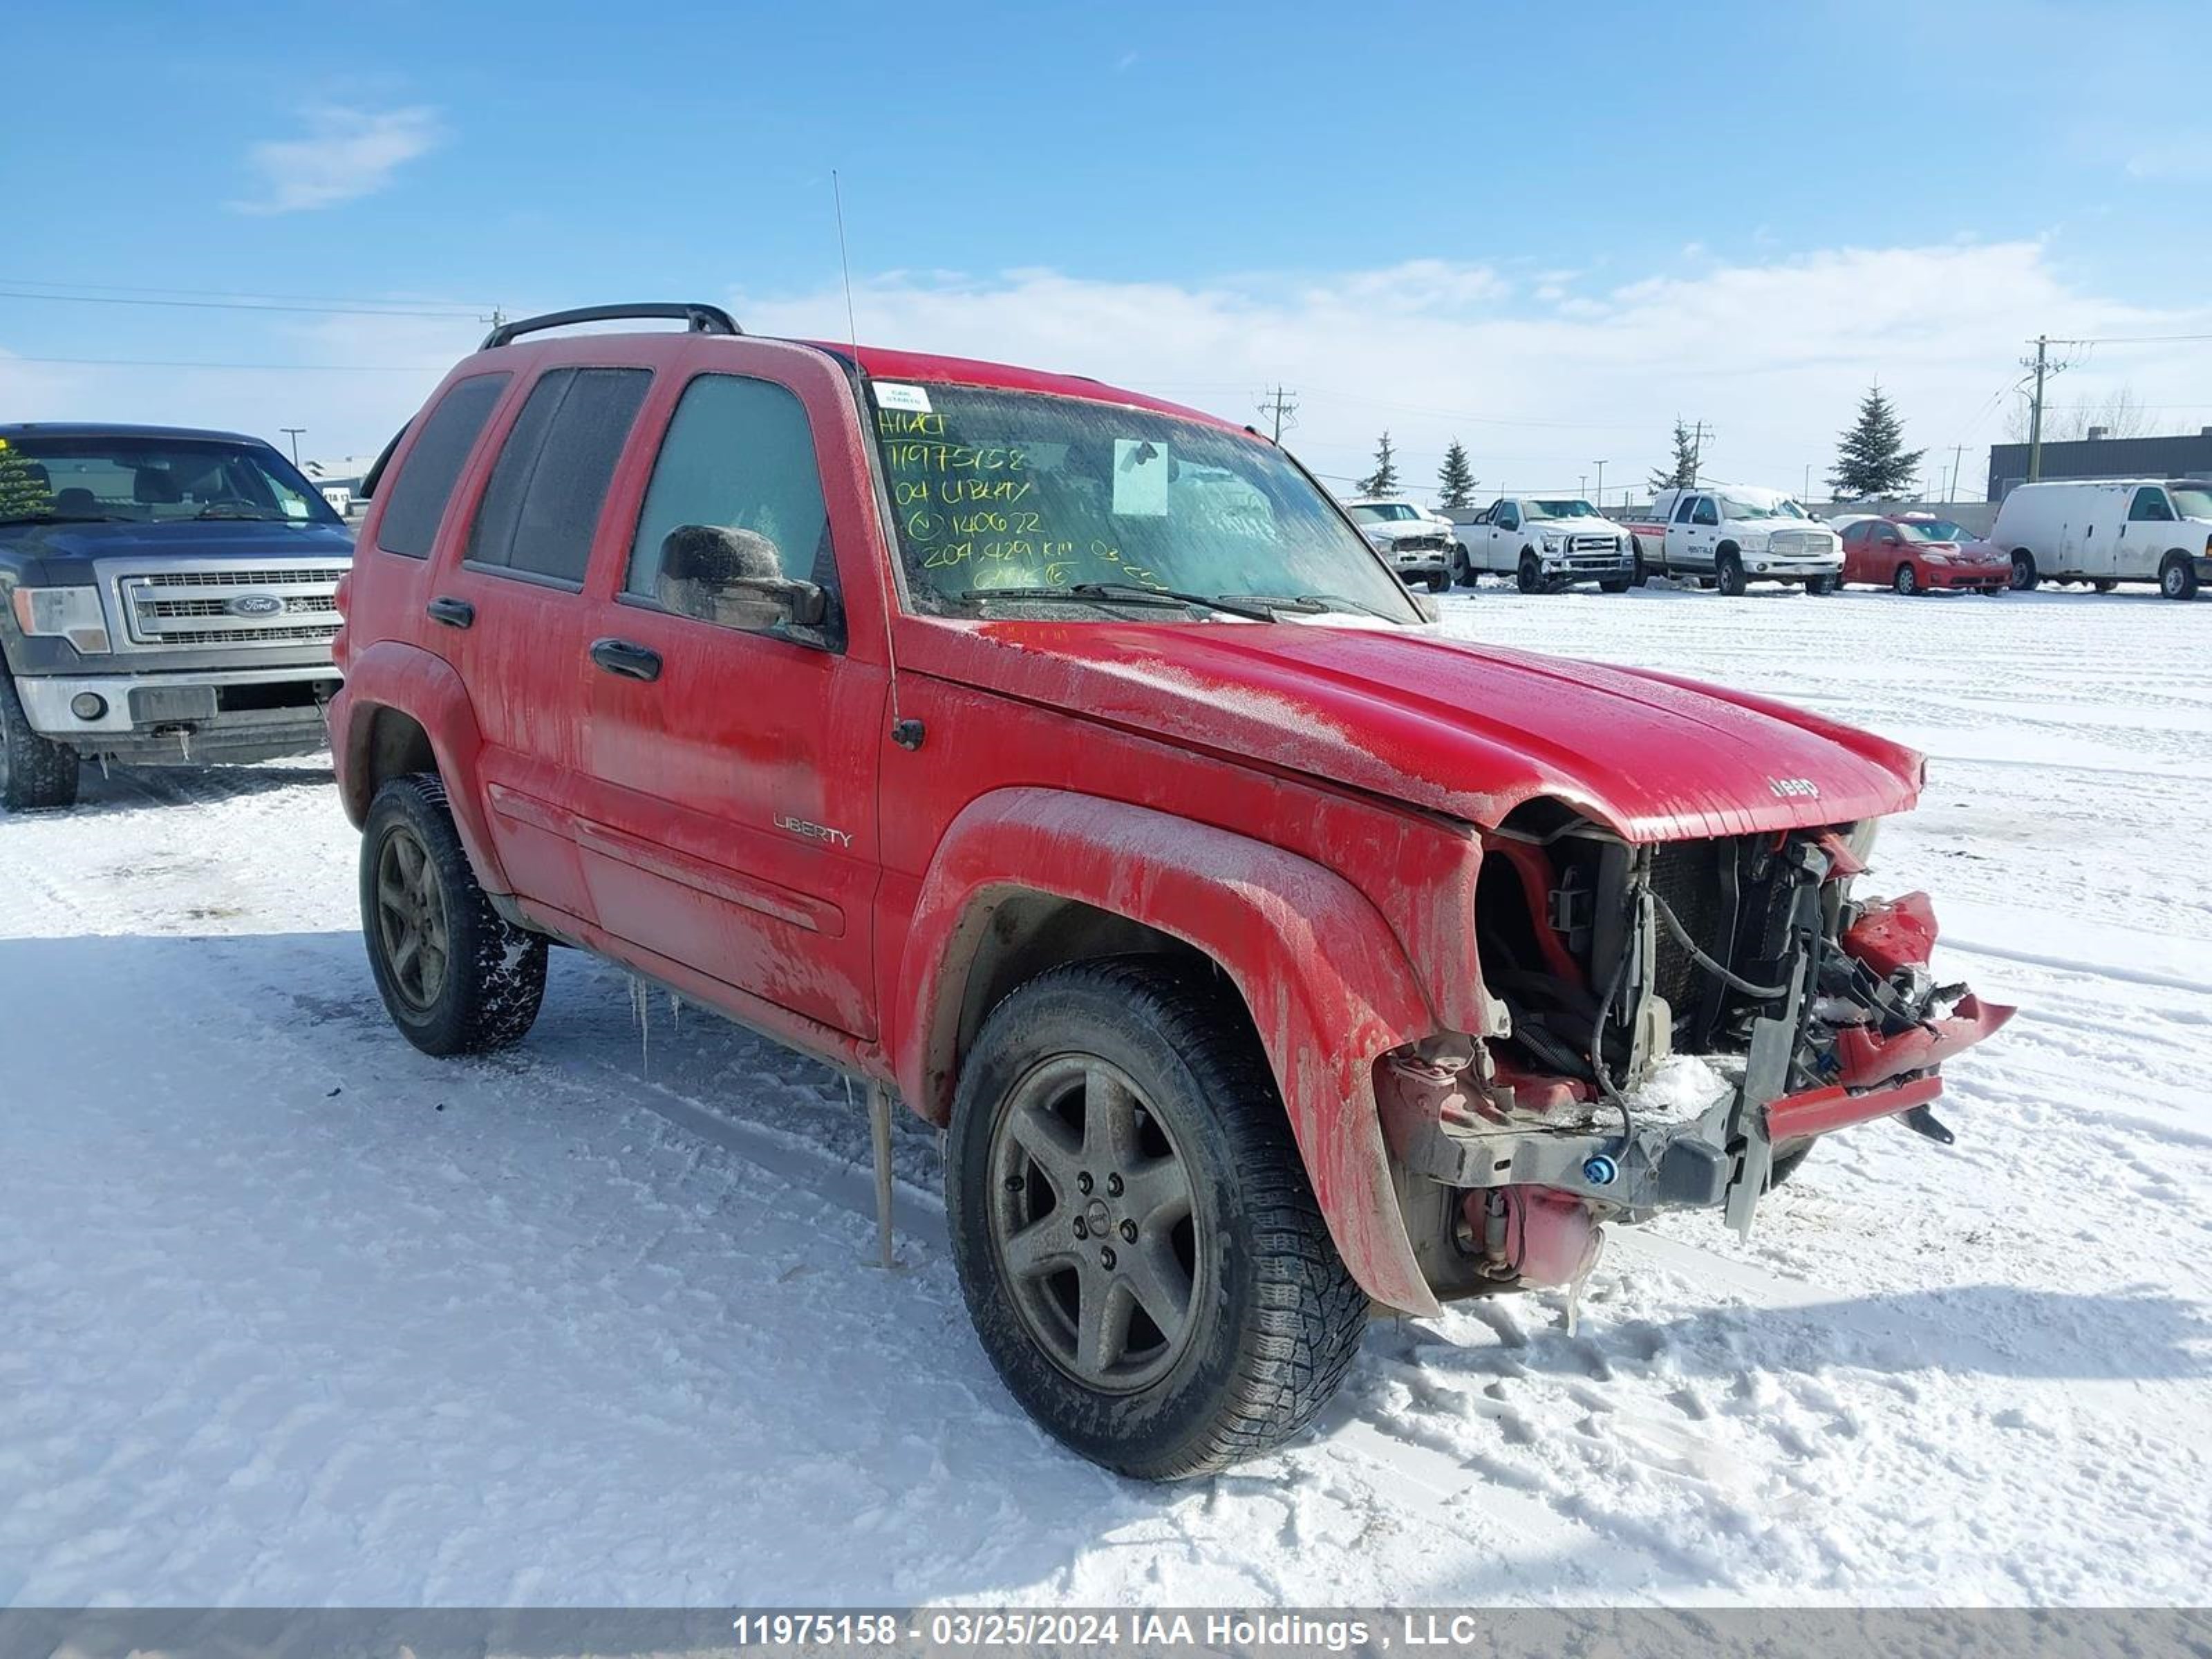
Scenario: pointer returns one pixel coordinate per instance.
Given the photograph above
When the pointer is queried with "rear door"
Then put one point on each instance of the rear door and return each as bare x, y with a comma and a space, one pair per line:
508, 613
730, 825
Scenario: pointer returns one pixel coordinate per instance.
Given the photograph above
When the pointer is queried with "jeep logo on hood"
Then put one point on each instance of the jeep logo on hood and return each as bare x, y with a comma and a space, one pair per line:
254, 604
1794, 788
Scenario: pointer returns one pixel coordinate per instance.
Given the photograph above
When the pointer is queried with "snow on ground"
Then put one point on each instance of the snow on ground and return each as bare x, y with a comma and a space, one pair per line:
290, 1312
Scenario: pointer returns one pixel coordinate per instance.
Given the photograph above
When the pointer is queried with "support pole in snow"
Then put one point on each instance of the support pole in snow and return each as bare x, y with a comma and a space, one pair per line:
879, 1131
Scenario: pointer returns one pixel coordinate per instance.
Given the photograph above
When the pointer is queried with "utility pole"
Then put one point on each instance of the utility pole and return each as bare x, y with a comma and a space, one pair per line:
1958, 460
1699, 433
1280, 408
2035, 409
293, 432
1600, 465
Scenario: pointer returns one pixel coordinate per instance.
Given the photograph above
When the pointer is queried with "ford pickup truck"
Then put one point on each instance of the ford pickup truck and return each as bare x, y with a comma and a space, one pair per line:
1067, 764
166, 596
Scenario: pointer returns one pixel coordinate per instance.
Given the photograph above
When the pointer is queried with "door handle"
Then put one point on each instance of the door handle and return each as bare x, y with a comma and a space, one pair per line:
632, 662
454, 613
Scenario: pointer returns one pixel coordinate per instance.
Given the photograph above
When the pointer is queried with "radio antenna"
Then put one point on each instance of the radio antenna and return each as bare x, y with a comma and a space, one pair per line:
845, 265
905, 734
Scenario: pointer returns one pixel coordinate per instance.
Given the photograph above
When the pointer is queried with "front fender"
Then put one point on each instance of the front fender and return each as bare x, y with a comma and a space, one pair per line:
1327, 984
405, 679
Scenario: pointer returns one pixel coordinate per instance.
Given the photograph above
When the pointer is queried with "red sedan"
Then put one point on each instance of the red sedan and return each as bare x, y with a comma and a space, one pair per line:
1913, 552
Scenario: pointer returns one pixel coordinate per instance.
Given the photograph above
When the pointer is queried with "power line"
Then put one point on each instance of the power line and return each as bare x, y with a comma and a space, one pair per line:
270, 368
234, 305
220, 293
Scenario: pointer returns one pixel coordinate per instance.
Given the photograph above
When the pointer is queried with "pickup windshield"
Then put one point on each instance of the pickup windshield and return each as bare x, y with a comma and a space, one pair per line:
1736, 507
1385, 512
1562, 509
92, 478
1065, 506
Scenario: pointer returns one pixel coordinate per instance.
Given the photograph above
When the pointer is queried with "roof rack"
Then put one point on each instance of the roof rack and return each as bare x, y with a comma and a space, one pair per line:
700, 318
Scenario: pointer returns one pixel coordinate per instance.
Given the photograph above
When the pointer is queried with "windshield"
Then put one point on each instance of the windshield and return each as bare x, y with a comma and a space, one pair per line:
2191, 501
1933, 529
1000, 491
1736, 507
90, 478
1568, 509
1385, 512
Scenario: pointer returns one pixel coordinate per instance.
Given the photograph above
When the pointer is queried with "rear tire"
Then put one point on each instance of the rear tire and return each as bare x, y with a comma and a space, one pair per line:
34, 773
2106, 584
2177, 577
1441, 582
2025, 575
456, 977
1180, 1188
1462, 567
1728, 570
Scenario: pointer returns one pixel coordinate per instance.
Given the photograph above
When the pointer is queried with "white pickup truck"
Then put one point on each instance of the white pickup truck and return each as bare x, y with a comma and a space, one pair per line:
1545, 542
1732, 535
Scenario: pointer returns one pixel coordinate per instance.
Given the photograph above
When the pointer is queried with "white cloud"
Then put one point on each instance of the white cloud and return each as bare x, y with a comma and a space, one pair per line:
347, 153
1541, 384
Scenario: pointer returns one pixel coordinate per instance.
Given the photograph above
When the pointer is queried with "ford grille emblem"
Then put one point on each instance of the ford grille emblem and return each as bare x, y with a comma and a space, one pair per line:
255, 605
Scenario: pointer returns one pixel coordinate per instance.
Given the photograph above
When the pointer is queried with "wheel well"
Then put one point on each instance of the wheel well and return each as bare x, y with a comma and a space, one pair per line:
394, 745
1022, 934
1726, 547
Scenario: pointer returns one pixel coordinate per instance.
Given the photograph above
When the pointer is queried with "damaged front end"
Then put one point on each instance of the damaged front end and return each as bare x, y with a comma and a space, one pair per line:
1665, 1021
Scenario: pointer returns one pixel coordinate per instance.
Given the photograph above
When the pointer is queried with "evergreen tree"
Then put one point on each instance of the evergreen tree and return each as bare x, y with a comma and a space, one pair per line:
1455, 479
23, 489
1871, 459
1682, 472
1383, 480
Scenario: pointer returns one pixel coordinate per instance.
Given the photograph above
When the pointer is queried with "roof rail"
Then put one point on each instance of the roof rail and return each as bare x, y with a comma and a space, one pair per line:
701, 319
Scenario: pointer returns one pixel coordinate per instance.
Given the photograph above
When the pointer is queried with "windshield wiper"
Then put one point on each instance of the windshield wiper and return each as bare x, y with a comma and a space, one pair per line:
225, 510
66, 517
1317, 603
1121, 593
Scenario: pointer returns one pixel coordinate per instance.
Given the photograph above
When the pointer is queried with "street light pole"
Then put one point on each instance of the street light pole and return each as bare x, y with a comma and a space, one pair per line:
294, 432
1600, 465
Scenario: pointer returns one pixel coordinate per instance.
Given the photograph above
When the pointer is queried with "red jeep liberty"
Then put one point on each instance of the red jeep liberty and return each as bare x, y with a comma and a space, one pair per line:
1067, 763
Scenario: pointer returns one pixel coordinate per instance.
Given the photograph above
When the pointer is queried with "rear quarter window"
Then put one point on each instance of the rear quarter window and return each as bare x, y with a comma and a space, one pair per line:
416, 500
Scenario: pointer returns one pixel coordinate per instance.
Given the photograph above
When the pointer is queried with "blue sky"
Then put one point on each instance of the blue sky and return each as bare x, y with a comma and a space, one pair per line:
1545, 230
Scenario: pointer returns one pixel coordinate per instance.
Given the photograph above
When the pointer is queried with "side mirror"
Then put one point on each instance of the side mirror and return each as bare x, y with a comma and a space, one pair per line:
734, 578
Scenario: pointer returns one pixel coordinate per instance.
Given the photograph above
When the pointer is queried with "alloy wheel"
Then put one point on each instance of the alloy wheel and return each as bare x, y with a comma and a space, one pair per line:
410, 919
1093, 1222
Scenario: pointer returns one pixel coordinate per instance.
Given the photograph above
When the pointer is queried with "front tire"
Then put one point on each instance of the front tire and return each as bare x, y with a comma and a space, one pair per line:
1905, 579
1529, 577
1824, 585
456, 977
1138, 1242
2177, 577
1462, 568
34, 773
1612, 584
1729, 570
1441, 582
2025, 576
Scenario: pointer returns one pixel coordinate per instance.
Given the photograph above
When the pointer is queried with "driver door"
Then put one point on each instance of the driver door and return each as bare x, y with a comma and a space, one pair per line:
1505, 536
730, 823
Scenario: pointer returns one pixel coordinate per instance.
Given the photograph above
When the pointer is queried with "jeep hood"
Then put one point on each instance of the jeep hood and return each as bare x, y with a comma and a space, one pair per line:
1467, 730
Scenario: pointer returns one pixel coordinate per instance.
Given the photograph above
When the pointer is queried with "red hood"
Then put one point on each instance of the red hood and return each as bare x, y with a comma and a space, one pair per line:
1453, 726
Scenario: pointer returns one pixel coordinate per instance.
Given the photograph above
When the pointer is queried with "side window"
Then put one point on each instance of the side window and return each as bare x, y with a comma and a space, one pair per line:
2150, 507
417, 496
1706, 513
543, 502
739, 456
1684, 508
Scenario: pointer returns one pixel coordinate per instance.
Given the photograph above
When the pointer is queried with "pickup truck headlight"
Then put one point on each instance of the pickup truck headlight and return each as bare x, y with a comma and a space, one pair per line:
1752, 543
68, 613
1551, 539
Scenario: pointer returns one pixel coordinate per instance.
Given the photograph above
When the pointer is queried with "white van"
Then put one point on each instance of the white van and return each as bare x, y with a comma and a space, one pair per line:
2112, 531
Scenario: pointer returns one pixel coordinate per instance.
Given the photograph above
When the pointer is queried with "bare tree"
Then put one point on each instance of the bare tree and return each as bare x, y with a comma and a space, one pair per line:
2119, 414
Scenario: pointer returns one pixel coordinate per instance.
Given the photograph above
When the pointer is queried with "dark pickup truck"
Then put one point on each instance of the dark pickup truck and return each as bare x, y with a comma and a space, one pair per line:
165, 596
